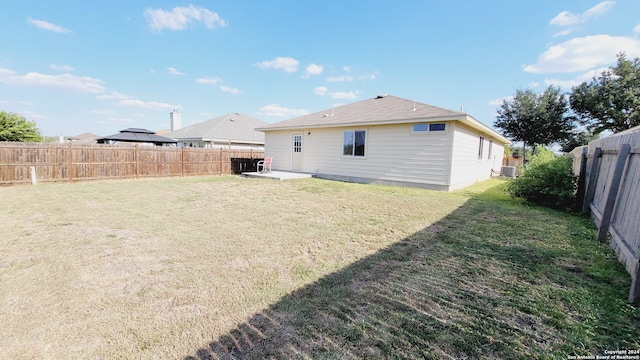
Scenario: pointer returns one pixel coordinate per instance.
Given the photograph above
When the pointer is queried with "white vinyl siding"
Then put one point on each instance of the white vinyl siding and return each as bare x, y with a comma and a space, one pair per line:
392, 153
467, 166
280, 147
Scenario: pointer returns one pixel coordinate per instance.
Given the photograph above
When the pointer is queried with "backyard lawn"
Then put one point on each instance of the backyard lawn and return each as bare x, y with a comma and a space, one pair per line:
228, 267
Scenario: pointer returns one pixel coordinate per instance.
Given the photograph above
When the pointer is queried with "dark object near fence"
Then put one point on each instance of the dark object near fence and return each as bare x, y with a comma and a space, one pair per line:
240, 165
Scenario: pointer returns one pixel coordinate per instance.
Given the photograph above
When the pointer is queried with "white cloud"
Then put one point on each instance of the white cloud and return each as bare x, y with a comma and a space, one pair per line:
342, 78
313, 69
280, 111
499, 101
99, 112
113, 95
127, 100
584, 53
346, 68
174, 71
230, 90
61, 67
33, 116
286, 64
533, 84
45, 25
566, 18
209, 80
180, 18
568, 84
63, 81
151, 105
344, 95
320, 90
637, 28
564, 32
368, 76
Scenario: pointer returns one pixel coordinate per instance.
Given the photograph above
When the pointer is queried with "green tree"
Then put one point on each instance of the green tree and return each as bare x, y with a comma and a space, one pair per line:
532, 118
610, 101
577, 139
14, 127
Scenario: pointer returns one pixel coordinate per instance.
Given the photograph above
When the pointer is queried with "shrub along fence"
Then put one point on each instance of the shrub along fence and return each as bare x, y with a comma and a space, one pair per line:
609, 177
67, 162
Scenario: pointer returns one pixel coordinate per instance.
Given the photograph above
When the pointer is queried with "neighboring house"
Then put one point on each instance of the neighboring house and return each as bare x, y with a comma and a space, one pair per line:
388, 140
137, 136
84, 139
233, 131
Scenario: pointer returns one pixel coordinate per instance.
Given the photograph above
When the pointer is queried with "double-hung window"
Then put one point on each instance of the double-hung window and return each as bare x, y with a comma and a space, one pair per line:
480, 148
353, 143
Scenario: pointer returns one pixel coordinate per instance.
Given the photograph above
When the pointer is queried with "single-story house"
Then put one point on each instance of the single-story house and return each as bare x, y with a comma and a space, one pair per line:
388, 140
84, 139
137, 136
232, 131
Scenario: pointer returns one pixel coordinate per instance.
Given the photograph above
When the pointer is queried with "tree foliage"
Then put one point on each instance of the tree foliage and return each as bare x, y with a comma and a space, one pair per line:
548, 180
14, 127
610, 101
577, 139
535, 118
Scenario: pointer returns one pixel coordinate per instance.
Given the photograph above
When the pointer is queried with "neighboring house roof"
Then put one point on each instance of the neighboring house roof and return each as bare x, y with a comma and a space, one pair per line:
233, 127
137, 135
84, 138
381, 110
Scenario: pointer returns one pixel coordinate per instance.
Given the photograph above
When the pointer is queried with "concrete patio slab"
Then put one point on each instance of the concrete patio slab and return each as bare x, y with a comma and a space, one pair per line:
277, 175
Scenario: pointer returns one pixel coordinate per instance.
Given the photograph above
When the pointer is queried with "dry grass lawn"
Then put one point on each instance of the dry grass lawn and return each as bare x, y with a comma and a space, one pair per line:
226, 267
159, 268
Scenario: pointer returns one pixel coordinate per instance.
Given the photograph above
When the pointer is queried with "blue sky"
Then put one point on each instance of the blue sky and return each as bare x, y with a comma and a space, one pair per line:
102, 66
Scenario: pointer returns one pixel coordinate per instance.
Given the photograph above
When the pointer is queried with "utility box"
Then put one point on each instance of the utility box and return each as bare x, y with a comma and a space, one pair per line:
509, 171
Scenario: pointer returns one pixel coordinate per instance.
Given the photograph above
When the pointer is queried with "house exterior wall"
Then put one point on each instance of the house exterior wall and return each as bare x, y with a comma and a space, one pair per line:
466, 167
394, 154
220, 144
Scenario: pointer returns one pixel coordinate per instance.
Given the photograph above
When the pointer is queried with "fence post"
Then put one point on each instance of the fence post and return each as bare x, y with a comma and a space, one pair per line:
616, 179
70, 163
634, 293
182, 162
582, 178
591, 184
220, 162
137, 155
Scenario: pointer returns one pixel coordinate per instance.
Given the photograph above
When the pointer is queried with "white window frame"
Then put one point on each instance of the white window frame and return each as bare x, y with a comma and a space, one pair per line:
428, 129
353, 148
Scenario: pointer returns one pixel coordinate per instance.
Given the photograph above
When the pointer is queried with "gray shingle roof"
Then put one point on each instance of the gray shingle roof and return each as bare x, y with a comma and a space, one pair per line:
234, 127
137, 135
383, 109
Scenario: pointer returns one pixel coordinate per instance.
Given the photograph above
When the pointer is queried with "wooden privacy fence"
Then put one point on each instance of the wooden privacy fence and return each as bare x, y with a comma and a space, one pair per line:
67, 162
609, 180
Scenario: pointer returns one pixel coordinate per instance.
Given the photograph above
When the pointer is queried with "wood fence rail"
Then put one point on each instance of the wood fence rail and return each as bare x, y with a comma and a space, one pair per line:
608, 186
68, 162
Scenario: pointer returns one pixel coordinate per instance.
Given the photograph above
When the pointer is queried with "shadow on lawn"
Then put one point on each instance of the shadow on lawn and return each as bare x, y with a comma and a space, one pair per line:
480, 283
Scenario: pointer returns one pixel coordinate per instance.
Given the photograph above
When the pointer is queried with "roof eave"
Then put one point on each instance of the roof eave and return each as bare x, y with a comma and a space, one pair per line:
365, 123
464, 118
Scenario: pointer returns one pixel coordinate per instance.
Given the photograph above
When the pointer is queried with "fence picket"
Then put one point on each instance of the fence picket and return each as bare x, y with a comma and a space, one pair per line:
68, 162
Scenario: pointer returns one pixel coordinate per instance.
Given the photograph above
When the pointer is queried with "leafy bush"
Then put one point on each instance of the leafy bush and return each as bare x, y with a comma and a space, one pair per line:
547, 180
